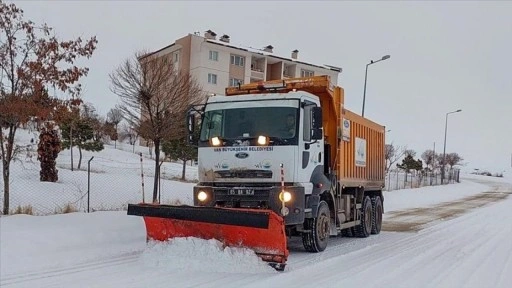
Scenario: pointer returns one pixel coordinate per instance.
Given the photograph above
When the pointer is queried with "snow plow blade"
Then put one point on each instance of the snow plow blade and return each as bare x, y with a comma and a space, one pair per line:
262, 231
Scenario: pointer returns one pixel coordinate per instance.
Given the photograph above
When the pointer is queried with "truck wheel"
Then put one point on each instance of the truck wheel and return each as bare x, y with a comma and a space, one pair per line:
316, 240
364, 229
376, 214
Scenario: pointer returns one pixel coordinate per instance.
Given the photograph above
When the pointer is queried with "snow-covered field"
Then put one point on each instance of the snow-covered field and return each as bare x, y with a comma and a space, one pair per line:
115, 179
108, 249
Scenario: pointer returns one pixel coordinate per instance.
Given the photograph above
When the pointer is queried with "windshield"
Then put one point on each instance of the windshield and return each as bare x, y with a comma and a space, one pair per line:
278, 123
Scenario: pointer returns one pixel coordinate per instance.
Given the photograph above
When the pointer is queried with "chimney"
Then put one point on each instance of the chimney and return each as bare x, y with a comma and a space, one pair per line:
268, 48
210, 34
224, 38
295, 53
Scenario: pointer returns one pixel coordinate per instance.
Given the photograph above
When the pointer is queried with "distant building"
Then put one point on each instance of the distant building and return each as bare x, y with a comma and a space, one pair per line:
217, 64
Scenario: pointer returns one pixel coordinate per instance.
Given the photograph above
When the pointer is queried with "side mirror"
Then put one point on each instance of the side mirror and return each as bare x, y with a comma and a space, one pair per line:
316, 123
191, 120
316, 118
191, 125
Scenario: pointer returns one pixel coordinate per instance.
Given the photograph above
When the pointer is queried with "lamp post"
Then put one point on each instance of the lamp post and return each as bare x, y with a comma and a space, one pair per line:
366, 77
444, 149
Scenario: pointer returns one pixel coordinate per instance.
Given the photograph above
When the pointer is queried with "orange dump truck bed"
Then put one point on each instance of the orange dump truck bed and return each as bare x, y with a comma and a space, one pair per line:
362, 152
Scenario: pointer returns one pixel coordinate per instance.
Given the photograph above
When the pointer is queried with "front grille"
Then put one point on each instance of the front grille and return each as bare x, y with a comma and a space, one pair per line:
244, 174
246, 184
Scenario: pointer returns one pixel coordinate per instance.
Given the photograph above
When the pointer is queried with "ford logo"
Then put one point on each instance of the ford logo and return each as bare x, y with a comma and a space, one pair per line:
241, 155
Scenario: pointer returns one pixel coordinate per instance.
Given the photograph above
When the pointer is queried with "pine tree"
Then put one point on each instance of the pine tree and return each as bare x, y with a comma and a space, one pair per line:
180, 149
81, 135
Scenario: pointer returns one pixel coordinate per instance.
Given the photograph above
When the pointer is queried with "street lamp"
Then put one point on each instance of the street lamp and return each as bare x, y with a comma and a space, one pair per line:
444, 149
366, 76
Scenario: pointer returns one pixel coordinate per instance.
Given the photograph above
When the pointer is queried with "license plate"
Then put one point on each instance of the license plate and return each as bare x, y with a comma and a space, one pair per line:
241, 191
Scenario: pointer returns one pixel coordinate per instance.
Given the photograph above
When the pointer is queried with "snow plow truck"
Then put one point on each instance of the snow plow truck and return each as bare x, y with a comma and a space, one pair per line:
278, 159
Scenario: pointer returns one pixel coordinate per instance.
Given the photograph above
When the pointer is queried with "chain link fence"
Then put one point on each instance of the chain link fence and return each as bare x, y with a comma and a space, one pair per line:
100, 183
398, 179
124, 174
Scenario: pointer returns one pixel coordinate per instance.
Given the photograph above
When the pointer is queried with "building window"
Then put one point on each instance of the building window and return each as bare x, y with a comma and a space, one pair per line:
306, 73
237, 60
214, 55
212, 78
233, 82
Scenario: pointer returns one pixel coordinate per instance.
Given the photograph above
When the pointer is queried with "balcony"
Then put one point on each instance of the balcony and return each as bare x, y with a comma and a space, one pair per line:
258, 68
256, 74
289, 71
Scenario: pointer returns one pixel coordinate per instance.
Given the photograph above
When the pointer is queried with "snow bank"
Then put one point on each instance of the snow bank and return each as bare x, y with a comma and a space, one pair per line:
37, 242
431, 195
193, 254
506, 179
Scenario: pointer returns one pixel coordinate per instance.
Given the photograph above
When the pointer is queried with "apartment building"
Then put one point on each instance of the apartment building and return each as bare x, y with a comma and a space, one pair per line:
217, 64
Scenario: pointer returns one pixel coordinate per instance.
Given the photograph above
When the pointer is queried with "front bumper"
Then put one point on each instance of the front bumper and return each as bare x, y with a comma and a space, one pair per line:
255, 197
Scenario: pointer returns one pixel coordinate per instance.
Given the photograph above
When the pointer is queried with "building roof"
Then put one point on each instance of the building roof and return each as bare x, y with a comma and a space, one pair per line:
255, 51
269, 54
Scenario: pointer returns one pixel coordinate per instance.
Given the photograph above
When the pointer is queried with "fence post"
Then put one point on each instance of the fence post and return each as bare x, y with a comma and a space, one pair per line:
397, 181
89, 184
389, 180
142, 177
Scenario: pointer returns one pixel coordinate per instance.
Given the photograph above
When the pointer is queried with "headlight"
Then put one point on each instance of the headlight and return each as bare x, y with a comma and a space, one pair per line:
215, 141
285, 196
262, 140
201, 196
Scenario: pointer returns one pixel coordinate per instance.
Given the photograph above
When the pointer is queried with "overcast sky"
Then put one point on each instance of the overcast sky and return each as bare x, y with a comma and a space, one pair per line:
444, 56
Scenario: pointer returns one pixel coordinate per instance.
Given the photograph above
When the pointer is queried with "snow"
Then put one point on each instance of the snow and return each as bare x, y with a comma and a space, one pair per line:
115, 179
108, 248
190, 254
28, 242
431, 195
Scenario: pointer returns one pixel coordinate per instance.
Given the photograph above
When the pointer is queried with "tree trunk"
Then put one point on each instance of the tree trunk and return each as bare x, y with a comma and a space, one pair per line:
157, 170
5, 174
7, 153
80, 158
71, 145
184, 168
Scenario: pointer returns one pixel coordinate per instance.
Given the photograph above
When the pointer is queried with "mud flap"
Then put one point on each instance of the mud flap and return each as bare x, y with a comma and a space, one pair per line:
262, 231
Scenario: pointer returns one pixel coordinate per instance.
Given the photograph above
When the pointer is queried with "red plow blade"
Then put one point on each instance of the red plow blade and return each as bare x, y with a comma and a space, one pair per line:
259, 230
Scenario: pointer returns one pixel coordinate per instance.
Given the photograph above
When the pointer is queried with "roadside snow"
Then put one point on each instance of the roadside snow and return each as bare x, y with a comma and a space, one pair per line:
41, 242
430, 195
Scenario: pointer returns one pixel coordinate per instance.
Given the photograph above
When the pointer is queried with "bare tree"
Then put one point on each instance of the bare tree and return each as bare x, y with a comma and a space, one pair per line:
453, 159
393, 154
153, 93
429, 157
128, 132
409, 152
115, 116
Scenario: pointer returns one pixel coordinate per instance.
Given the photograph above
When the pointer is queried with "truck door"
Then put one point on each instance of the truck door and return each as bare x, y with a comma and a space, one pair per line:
310, 151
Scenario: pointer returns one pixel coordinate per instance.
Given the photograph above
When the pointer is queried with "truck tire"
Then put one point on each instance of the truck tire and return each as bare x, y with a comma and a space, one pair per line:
316, 240
376, 214
364, 229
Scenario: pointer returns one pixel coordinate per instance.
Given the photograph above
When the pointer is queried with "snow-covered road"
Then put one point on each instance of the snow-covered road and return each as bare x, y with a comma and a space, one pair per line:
467, 246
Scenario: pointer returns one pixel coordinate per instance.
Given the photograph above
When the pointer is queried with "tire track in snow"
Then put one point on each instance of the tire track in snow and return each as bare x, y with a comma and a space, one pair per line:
414, 220
77, 268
